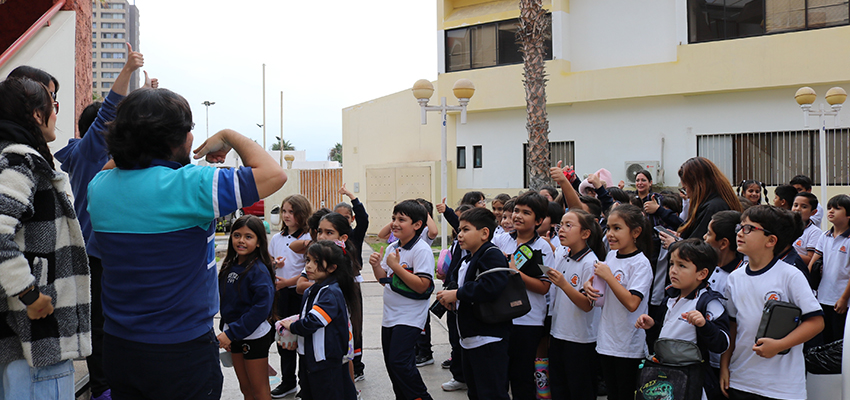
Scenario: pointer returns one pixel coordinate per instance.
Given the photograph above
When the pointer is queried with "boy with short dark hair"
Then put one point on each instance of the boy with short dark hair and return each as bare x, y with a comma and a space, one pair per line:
834, 288
783, 196
806, 204
695, 312
410, 261
485, 346
529, 212
804, 184
750, 371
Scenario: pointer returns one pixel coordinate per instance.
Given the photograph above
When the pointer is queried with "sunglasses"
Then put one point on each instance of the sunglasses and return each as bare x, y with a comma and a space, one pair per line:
747, 228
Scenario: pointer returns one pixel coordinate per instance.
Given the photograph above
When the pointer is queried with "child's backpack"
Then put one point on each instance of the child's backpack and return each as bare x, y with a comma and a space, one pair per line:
676, 372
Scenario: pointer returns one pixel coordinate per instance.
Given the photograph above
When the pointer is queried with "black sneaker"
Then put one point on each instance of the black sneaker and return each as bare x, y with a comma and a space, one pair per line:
446, 364
424, 360
359, 376
282, 391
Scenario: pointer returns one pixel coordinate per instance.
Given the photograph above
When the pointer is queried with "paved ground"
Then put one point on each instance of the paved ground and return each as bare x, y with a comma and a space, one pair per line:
377, 385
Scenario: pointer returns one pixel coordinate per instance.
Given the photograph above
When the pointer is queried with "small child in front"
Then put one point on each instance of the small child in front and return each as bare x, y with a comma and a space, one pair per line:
411, 261
484, 346
752, 369
694, 311
323, 329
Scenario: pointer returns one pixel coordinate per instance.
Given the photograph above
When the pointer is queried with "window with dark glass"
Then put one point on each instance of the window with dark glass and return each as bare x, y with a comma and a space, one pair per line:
461, 157
710, 20
487, 45
476, 157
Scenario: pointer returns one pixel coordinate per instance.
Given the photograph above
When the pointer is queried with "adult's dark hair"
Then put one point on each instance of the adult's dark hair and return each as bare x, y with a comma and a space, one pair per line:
703, 179
36, 74
839, 201
723, 225
535, 202
87, 117
787, 193
480, 218
594, 206
698, 252
472, 198
414, 210
326, 253
20, 98
787, 226
803, 181
149, 124
645, 174
811, 198
619, 195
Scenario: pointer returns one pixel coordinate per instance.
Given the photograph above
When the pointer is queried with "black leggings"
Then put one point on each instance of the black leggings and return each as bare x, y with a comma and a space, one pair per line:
620, 376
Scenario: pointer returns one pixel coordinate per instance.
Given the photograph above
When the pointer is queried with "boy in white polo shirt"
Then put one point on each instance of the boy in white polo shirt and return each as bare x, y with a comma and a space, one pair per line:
806, 204
694, 311
407, 273
752, 368
834, 288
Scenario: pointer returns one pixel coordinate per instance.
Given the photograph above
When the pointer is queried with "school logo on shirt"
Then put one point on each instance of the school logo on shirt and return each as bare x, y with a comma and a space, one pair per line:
843, 249
620, 276
772, 296
799, 243
708, 316
574, 280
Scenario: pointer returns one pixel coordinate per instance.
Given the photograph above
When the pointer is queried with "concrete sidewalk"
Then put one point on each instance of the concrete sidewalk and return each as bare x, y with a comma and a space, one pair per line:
377, 384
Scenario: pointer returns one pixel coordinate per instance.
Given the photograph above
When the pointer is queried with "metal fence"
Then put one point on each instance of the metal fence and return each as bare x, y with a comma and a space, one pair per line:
321, 187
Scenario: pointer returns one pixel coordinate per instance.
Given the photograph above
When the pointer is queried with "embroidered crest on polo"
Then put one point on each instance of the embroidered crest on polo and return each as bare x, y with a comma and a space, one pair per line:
619, 275
773, 296
574, 280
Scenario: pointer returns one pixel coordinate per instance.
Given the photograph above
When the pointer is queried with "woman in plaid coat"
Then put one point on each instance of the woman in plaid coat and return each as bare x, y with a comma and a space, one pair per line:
45, 321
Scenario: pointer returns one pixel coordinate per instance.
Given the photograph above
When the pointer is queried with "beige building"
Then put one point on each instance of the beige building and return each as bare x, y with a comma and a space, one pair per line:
114, 23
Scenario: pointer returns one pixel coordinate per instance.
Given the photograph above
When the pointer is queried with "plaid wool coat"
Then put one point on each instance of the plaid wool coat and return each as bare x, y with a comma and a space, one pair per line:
40, 243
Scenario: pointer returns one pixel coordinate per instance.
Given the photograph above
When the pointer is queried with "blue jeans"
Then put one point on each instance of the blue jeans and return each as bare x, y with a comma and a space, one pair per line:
20, 381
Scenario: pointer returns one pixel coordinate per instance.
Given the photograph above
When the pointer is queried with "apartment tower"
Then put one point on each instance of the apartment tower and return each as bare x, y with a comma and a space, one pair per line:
114, 23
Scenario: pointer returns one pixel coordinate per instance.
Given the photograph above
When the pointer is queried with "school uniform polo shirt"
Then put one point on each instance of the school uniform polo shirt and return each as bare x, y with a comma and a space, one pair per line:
508, 244
782, 376
569, 322
294, 263
618, 336
676, 327
416, 257
836, 265
154, 231
808, 241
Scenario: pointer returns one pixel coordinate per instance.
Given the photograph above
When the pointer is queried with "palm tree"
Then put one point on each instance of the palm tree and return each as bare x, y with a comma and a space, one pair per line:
286, 145
335, 154
531, 36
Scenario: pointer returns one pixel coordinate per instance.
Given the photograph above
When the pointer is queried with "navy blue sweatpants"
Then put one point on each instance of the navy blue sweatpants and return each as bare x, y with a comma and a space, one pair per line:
330, 383
486, 371
400, 358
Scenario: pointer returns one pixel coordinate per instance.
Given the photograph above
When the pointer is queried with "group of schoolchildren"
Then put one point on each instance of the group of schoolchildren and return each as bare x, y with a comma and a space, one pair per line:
590, 309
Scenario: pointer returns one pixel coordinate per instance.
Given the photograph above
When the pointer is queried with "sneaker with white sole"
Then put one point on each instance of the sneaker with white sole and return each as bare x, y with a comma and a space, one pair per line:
453, 385
281, 391
447, 363
422, 361
359, 376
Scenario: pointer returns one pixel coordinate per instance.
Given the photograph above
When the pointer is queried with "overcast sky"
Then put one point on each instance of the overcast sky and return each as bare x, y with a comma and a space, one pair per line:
324, 56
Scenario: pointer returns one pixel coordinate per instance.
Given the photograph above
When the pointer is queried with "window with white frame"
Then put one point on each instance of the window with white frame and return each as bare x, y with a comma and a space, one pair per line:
776, 157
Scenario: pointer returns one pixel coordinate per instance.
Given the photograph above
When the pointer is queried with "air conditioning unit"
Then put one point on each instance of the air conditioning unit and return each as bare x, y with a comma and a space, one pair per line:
633, 167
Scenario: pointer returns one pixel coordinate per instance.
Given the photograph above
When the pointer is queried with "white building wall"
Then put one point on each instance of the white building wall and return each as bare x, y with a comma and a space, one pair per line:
613, 33
52, 49
606, 134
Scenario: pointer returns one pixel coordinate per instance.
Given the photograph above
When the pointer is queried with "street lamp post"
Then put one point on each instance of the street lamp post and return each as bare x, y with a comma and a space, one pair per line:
423, 89
208, 104
805, 97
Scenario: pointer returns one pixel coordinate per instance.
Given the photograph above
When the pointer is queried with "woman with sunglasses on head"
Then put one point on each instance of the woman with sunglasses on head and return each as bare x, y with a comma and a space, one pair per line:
43, 262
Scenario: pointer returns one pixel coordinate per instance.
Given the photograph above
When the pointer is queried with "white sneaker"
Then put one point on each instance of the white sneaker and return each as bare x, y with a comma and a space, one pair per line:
453, 385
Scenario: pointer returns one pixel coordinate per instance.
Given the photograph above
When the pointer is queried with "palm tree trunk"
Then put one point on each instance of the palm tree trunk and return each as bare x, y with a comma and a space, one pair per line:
533, 26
